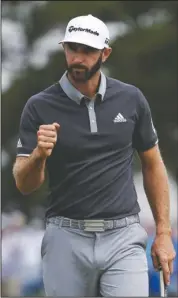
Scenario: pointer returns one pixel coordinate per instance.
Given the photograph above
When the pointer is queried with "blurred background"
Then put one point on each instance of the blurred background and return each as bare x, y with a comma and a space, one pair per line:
144, 41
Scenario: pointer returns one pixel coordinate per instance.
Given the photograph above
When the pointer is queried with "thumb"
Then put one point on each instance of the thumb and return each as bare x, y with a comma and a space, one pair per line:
56, 125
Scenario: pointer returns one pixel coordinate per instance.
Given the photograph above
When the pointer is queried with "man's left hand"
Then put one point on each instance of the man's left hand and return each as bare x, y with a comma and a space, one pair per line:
163, 254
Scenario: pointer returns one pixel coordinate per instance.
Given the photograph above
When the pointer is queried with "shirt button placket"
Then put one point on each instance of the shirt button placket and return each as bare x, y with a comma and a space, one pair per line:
92, 116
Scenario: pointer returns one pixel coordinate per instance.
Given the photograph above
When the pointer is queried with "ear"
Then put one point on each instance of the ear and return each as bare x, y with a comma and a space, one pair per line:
106, 53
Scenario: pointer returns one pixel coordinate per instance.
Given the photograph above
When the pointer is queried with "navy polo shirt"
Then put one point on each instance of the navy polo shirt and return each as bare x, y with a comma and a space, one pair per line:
90, 168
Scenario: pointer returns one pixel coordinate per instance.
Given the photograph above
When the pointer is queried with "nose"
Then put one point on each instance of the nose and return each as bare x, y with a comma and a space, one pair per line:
78, 57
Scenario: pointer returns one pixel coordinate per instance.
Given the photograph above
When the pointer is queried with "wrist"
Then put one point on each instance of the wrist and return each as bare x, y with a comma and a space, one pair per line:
163, 231
38, 155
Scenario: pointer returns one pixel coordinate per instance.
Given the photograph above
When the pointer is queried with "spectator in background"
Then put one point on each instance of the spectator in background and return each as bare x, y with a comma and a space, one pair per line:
21, 254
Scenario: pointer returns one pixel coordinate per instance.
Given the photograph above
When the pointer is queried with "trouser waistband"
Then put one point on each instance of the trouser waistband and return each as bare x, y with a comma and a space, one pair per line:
94, 225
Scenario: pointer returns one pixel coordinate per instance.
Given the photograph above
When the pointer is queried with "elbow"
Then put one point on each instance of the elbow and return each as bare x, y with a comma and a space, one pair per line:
23, 190
26, 190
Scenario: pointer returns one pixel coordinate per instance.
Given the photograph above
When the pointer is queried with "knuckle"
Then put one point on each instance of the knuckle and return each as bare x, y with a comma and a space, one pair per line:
163, 255
50, 145
164, 259
40, 144
40, 139
40, 131
166, 271
172, 257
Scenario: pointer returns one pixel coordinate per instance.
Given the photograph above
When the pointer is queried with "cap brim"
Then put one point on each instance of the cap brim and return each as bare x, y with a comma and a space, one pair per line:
85, 42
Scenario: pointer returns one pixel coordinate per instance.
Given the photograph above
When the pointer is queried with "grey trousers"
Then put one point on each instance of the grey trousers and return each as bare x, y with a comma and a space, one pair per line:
111, 263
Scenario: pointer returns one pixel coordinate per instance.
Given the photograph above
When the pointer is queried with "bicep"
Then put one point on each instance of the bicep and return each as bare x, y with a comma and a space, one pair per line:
145, 135
27, 131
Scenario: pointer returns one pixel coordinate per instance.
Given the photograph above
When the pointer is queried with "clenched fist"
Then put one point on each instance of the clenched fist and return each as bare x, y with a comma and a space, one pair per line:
47, 137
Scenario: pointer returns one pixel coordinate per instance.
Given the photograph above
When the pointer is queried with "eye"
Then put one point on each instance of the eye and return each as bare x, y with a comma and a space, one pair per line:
72, 46
76, 47
88, 49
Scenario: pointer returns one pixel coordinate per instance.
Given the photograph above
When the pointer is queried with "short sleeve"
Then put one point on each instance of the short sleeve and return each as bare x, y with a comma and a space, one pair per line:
27, 137
145, 135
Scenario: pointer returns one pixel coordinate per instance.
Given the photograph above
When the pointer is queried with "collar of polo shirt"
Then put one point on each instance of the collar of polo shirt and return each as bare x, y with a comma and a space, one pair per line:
75, 94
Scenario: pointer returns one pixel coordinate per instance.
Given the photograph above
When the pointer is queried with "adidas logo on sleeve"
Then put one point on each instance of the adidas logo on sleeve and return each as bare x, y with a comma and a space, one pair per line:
19, 143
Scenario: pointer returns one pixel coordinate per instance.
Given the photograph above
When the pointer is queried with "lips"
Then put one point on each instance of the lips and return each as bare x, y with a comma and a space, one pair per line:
78, 69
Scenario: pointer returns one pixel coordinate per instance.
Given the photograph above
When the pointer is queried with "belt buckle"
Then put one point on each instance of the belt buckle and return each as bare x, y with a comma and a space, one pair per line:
94, 225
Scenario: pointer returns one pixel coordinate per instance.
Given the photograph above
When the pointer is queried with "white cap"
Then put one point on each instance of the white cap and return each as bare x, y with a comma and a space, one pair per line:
87, 30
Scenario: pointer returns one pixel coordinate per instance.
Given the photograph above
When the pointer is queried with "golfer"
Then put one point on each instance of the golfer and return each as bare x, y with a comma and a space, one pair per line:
83, 130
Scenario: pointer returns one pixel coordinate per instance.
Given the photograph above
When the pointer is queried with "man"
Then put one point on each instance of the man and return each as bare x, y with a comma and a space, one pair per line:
84, 130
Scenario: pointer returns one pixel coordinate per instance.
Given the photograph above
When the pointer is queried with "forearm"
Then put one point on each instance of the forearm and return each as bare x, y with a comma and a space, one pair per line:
29, 174
157, 190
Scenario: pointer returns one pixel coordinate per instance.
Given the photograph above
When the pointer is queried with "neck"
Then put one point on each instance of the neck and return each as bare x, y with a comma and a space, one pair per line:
88, 88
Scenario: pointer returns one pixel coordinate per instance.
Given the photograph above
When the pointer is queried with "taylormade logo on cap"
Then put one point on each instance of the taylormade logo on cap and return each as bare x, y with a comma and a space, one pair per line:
72, 28
87, 30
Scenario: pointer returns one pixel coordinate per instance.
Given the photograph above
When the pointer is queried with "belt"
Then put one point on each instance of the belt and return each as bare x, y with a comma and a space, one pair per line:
94, 225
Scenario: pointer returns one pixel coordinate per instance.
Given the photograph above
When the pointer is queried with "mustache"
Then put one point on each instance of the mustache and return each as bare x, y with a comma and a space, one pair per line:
78, 66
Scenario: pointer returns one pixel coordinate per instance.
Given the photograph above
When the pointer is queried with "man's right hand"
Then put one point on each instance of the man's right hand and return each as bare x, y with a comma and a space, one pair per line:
47, 137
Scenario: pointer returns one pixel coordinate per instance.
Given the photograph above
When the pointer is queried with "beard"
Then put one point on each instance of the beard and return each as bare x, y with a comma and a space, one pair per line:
82, 74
